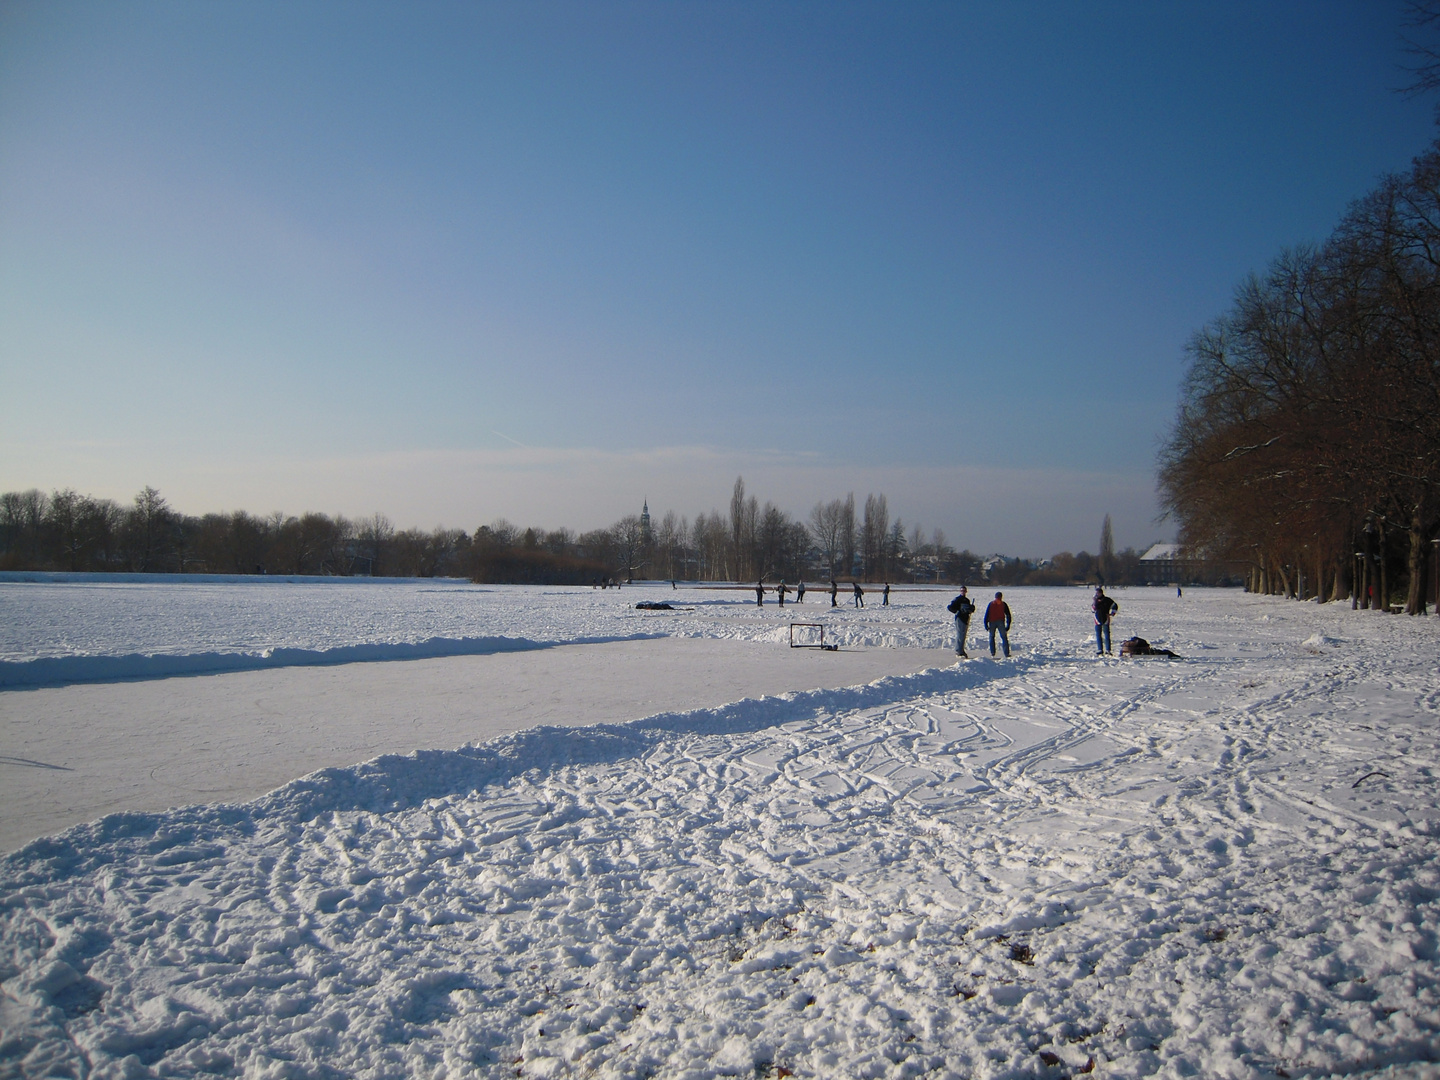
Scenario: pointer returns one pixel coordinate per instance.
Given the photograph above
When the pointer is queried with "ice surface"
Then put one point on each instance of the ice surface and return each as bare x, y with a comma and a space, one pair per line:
1226, 865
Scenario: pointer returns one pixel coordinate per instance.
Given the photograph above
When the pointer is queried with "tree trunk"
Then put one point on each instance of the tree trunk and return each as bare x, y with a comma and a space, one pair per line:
1382, 595
1367, 578
1415, 595
1284, 581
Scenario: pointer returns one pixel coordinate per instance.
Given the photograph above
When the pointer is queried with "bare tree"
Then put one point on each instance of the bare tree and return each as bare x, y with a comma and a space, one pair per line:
1420, 34
873, 532
847, 534
629, 545
149, 528
1107, 551
1307, 444
897, 549
740, 568
826, 520
373, 542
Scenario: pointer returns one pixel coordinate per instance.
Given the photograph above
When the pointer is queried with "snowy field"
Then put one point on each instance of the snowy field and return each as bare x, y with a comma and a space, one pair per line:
1226, 865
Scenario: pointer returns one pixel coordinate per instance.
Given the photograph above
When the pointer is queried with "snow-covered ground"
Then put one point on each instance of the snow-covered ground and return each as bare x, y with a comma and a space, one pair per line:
1224, 865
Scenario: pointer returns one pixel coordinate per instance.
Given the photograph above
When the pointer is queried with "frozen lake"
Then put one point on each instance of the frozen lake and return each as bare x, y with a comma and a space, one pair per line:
78, 631
101, 630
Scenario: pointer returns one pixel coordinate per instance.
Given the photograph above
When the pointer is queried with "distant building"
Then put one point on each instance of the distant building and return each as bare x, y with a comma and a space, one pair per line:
1163, 564
989, 563
645, 523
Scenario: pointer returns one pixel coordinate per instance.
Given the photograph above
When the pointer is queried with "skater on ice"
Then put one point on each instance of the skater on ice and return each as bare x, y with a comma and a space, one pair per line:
962, 608
780, 591
1104, 608
800, 592
859, 595
833, 590
997, 620
886, 602
760, 593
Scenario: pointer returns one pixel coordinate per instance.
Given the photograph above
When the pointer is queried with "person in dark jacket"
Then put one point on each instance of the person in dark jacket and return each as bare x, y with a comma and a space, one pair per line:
780, 591
859, 594
1103, 607
962, 607
760, 592
997, 620
834, 589
886, 601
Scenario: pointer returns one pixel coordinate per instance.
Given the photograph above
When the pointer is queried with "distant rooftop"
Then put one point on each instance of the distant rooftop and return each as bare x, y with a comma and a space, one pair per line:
1161, 553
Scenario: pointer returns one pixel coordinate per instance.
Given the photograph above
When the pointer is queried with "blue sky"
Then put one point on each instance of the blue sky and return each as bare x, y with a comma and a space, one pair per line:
540, 261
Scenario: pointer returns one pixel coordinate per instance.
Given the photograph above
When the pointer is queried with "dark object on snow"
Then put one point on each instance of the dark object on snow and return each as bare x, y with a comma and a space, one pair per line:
1138, 646
654, 605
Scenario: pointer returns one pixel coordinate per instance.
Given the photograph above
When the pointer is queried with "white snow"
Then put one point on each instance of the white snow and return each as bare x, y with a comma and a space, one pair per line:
1224, 865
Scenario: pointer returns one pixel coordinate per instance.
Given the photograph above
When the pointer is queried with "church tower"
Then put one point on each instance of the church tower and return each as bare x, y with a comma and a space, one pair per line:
645, 522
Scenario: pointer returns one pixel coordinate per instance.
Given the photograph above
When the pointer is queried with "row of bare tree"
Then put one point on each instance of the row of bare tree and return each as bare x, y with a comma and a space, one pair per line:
72, 532
1307, 441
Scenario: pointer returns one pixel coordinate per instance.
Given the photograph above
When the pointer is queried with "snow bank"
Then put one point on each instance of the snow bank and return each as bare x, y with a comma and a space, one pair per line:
56, 670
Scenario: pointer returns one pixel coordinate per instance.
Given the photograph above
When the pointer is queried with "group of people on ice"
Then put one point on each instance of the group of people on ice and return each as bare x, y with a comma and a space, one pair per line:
782, 589
998, 617
998, 620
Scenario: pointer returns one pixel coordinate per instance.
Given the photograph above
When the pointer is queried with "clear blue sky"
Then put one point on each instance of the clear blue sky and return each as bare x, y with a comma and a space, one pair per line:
540, 261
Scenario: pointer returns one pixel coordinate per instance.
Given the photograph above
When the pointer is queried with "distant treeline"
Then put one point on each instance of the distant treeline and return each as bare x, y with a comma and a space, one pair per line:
1307, 447
70, 532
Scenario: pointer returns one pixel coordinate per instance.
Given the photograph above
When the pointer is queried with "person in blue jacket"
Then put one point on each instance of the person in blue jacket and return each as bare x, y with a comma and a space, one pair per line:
1104, 608
962, 607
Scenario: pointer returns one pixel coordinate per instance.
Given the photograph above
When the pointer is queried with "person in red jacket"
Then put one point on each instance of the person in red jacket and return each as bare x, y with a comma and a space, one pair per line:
997, 619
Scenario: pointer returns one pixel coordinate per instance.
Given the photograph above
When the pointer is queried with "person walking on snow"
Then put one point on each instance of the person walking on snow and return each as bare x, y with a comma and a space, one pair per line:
962, 608
886, 601
1103, 607
997, 619
760, 593
859, 594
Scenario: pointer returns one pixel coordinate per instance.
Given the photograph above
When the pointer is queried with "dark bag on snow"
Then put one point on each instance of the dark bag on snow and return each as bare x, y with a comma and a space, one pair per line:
1138, 646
